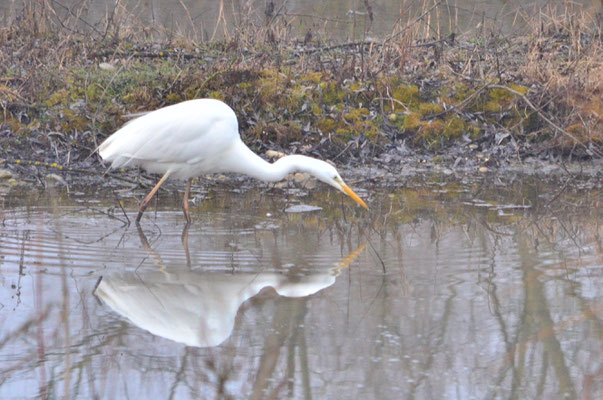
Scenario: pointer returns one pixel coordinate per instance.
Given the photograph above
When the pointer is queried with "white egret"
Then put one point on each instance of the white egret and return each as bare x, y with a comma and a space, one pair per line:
198, 137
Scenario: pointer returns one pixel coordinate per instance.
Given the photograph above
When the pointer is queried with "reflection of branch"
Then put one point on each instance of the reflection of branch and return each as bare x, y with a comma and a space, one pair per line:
281, 327
537, 312
444, 319
572, 236
498, 233
180, 374
378, 257
587, 387
298, 341
21, 331
588, 311
492, 294
86, 242
560, 192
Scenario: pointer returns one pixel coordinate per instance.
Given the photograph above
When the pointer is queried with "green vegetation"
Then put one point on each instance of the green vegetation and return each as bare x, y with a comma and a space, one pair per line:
83, 89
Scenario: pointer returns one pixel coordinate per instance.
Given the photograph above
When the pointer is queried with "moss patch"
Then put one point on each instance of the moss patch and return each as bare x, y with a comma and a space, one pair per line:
287, 95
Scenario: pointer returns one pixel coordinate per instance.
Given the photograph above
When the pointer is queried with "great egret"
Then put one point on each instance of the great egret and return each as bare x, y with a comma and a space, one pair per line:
198, 137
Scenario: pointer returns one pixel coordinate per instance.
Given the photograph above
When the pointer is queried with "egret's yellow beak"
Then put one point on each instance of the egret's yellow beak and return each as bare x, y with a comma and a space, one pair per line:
346, 189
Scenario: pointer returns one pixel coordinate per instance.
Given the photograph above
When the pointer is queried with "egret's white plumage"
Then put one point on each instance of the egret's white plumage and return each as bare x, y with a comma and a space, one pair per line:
198, 137
186, 139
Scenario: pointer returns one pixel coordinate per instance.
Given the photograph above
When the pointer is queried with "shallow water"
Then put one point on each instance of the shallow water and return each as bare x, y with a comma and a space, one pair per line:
445, 289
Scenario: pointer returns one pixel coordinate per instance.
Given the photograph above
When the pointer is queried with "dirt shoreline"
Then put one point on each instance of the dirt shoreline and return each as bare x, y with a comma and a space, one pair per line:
529, 103
375, 175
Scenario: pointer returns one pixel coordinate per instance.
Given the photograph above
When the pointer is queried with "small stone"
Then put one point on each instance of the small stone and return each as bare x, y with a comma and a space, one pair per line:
106, 66
300, 177
301, 208
5, 174
274, 154
483, 169
54, 180
310, 184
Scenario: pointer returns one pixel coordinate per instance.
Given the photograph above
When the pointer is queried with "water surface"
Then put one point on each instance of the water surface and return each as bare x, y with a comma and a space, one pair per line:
339, 20
447, 288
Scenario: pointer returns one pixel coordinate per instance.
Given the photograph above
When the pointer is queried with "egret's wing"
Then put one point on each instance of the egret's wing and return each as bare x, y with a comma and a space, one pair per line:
180, 134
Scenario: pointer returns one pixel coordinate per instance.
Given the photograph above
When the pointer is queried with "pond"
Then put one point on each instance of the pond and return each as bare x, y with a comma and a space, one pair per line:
339, 20
449, 287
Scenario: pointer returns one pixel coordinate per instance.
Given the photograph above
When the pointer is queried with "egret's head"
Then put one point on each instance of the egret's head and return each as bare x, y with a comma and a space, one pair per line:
327, 173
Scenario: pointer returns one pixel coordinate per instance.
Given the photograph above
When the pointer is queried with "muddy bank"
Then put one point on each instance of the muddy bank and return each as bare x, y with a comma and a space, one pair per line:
387, 172
402, 105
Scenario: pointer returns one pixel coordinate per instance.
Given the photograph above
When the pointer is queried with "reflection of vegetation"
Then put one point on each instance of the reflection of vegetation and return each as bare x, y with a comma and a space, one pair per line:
507, 302
538, 326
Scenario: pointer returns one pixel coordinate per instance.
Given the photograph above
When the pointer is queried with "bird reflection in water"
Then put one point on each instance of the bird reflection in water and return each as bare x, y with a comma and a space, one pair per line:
199, 308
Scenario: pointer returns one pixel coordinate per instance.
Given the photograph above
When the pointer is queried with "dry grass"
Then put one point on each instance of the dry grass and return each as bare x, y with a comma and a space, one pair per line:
541, 88
565, 57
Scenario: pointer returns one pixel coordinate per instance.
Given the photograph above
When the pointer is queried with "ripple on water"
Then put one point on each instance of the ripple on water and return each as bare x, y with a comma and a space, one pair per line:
442, 296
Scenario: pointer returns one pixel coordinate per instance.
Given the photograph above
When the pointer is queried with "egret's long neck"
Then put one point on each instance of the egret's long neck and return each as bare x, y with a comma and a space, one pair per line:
243, 160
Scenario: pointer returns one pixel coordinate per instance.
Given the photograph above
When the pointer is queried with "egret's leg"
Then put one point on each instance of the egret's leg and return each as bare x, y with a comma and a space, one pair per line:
145, 202
187, 193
